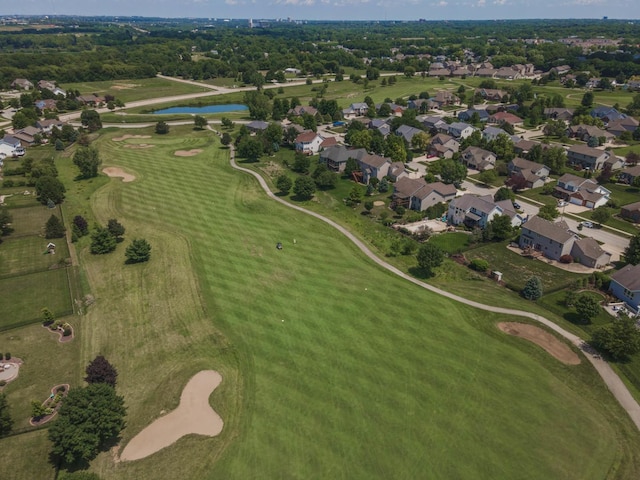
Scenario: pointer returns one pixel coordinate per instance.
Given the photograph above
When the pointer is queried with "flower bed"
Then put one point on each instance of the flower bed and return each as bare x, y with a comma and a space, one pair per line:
51, 405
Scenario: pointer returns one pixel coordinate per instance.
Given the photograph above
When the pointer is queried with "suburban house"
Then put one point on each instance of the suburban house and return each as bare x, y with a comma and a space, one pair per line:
564, 114
416, 194
474, 211
443, 146
27, 135
91, 99
588, 252
625, 285
433, 122
257, 126
300, 110
631, 212
614, 163
585, 132
587, 157
460, 130
444, 99
607, 114
522, 146
47, 104
618, 127
478, 158
46, 126
490, 133
373, 166
11, 146
51, 86
308, 142
397, 171
359, 109
554, 240
500, 118
336, 157
467, 115
581, 191
491, 94
526, 174
407, 132
628, 175
22, 84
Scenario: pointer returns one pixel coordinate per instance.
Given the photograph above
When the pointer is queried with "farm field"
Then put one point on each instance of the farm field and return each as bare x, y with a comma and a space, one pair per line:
332, 368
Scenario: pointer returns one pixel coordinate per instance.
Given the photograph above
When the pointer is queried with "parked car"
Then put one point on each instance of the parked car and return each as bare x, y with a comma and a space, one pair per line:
587, 224
562, 203
516, 205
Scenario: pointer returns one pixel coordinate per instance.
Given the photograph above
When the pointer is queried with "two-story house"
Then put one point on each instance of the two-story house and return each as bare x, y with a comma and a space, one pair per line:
629, 175
526, 174
373, 166
581, 191
460, 130
587, 157
443, 146
416, 194
478, 158
474, 211
625, 285
336, 157
552, 239
308, 142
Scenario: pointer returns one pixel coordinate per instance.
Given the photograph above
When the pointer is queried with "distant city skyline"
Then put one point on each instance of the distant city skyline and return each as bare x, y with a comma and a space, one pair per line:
333, 9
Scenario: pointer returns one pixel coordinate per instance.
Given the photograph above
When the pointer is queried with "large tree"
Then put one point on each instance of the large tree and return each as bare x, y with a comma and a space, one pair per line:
48, 189
102, 241
250, 148
54, 228
6, 220
116, 229
304, 188
632, 252
501, 227
87, 159
284, 184
587, 307
429, 256
6, 422
162, 128
532, 289
91, 120
199, 122
453, 172
99, 370
620, 338
138, 251
87, 419
601, 215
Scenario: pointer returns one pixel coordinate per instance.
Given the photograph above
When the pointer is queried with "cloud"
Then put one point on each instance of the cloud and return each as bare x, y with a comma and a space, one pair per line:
499, 2
586, 2
441, 3
481, 3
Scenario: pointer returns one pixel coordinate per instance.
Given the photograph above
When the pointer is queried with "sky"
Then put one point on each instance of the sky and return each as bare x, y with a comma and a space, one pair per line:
332, 9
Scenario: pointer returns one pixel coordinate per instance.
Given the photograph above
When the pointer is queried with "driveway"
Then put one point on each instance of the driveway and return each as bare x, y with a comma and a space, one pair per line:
612, 243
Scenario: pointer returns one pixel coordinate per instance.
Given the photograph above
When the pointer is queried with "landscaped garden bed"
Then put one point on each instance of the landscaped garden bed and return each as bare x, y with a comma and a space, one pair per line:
45, 411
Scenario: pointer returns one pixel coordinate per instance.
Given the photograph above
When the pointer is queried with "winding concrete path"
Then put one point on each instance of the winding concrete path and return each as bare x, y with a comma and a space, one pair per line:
610, 377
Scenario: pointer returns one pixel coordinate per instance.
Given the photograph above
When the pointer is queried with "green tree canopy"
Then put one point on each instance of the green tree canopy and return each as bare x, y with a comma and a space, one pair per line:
250, 148
284, 184
49, 188
587, 307
453, 172
304, 188
532, 289
501, 227
504, 193
116, 229
430, 256
162, 128
6, 422
200, 122
632, 252
87, 419
138, 251
99, 370
54, 228
90, 119
620, 338
87, 159
102, 241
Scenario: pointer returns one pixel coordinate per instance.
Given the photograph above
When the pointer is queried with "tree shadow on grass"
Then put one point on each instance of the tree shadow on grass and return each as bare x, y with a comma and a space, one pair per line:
576, 319
420, 273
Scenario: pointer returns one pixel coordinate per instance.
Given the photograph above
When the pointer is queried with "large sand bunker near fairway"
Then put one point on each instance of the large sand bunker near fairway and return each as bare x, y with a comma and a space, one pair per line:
551, 344
119, 173
187, 153
126, 137
139, 146
193, 415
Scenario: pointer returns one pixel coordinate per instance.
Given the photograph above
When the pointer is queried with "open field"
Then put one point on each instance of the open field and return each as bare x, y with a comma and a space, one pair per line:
133, 90
331, 367
29, 254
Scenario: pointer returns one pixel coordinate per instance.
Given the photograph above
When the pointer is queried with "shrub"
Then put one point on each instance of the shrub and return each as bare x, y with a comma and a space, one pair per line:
3, 383
532, 289
61, 389
7, 356
566, 259
66, 330
479, 265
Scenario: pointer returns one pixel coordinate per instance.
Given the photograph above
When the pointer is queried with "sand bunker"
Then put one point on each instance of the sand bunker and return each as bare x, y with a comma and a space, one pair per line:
551, 344
187, 153
139, 146
127, 136
378, 203
119, 173
193, 415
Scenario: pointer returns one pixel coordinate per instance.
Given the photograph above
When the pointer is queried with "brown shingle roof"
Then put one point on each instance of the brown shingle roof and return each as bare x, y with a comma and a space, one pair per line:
547, 229
628, 277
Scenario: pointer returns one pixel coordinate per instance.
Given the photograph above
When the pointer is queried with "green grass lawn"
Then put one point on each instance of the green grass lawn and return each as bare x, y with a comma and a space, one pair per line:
137, 89
329, 370
516, 269
29, 254
31, 220
451, 243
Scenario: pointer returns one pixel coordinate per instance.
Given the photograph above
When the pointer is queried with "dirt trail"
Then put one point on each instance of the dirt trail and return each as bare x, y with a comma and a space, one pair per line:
551, 344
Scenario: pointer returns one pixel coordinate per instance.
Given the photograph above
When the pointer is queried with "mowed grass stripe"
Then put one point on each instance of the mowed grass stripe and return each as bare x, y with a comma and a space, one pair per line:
367, 377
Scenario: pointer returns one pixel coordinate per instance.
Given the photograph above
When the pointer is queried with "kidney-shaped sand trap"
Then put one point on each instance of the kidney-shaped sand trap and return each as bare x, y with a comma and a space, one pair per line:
187, 153
551, 344
119, 173
193, 415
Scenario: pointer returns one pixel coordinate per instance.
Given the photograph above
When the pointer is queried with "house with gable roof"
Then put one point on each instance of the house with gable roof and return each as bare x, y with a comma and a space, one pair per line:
618, 127
443, 146
527, 174
587, 157
629, 174
477, 211
478, 158
625, 285
460, 130
407, 132
631, 212
22, 84
336, 157
308, 142
373, 166
416, 194
581, 191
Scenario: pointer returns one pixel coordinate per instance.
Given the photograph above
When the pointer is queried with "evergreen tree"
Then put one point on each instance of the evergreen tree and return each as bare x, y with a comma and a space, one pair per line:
532, 289
54, 228
138, 251
102, 241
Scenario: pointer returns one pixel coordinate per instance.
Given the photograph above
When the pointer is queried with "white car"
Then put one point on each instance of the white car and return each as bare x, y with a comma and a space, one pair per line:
587, 224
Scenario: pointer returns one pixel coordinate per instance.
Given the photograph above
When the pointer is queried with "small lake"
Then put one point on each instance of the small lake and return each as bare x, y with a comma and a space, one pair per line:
232, 107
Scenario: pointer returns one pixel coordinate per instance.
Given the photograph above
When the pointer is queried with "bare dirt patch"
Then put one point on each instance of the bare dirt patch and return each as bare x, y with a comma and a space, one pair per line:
124, 86
139, 146
119, 173
551, 344
193, 415
187, 153
378, 203
127, 136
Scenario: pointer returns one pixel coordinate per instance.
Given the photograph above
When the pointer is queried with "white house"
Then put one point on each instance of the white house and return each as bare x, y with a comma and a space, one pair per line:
308, 142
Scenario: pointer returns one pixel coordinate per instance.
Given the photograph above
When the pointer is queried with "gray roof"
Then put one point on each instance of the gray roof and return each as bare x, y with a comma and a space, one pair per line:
632, 171
632, 206
524, 164
375, 161
628, 277
547, 229
340, 153
589, 248
587, 151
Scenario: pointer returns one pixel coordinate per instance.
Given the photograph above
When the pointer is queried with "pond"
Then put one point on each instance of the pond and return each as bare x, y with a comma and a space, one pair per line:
232, 107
